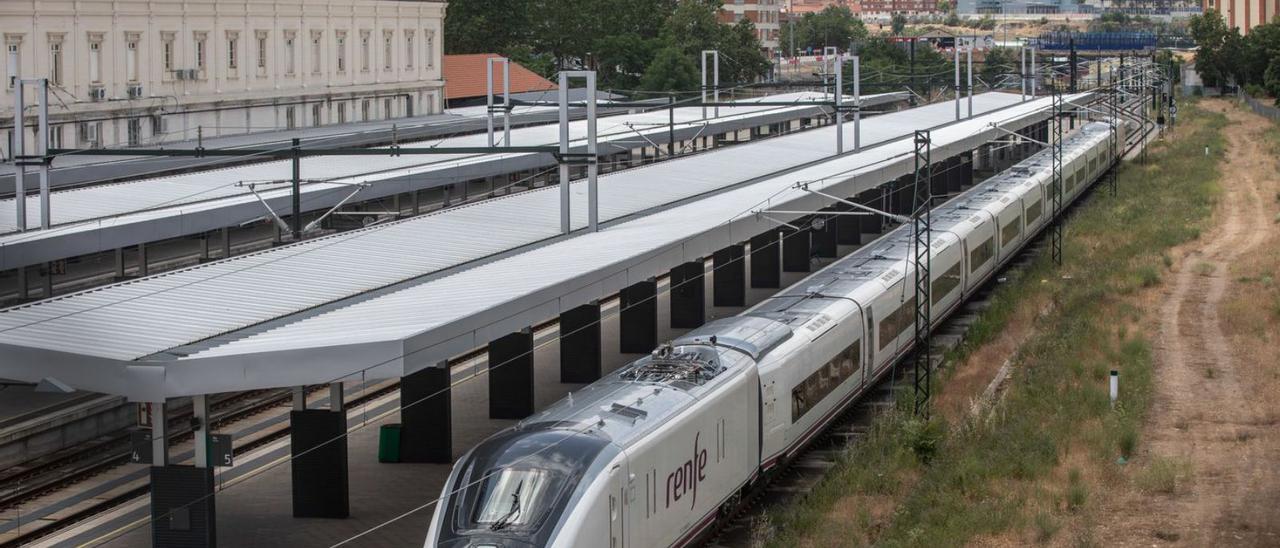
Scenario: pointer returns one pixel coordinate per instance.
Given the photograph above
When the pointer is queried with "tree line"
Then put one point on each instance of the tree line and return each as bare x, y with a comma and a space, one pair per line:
652, 45
1226, 58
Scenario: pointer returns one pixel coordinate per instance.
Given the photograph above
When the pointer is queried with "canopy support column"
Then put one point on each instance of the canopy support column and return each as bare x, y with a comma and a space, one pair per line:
426, 431
511, 375
638, 317
766, 262
729, 279
688, 295
580, 346
318, 445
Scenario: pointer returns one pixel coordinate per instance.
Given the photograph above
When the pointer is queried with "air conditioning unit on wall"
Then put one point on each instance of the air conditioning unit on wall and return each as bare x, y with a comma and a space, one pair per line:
97, 93
135, 91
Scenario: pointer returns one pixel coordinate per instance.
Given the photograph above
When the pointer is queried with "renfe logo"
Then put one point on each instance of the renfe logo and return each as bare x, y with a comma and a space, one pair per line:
687, 477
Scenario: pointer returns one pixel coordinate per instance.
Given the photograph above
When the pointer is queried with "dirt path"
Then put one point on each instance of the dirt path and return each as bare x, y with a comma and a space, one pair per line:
1214, 404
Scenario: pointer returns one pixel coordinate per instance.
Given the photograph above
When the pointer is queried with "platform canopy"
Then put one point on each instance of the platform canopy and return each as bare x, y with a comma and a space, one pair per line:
105, 217
391, 300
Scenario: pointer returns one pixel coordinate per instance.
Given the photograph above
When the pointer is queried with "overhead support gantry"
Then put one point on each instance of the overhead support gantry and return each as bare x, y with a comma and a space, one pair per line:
1056, 147
920, 240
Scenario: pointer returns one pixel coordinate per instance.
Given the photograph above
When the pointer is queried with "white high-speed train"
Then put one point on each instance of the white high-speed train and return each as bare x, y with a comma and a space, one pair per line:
654, 452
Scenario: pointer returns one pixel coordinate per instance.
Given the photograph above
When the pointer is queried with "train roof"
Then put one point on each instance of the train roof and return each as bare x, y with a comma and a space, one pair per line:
884, 261
625, 405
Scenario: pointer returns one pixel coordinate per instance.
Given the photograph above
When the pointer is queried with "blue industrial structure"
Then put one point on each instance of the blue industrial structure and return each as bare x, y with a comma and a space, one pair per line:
1097, 41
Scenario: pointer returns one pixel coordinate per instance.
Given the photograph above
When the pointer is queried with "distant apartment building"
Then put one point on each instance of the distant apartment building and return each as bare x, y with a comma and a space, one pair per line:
763, 13
875, 8
1020, 7
137, 72
1244, 14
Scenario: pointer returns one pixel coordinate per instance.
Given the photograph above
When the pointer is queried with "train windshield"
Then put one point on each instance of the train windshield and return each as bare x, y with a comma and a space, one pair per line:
514, 498
514, 487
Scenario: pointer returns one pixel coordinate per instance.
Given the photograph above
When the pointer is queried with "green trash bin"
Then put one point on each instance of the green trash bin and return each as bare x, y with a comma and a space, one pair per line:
389, 443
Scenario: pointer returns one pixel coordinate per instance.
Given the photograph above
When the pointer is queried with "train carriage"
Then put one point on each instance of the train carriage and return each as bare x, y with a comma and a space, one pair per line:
652, 453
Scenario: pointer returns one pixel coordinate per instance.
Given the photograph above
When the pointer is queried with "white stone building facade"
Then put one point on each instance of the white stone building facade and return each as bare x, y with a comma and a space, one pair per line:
140, 73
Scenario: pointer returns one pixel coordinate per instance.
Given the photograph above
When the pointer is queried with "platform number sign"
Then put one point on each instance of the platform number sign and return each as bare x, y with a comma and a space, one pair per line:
220, 453
140, 447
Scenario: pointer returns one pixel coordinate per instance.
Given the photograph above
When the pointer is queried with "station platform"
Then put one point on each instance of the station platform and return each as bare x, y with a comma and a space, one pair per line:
254, 497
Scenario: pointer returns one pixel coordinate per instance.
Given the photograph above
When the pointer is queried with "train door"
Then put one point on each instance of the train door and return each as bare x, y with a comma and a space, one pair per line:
618, 493
871, 340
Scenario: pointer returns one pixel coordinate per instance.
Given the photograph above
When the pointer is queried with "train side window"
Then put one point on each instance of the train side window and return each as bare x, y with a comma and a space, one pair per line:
978, 256
945, 284
825, 379
892, 326
1010, 231
1034, 210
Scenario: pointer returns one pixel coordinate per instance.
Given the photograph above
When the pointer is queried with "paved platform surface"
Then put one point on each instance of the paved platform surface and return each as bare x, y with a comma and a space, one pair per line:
395, 501
19, 401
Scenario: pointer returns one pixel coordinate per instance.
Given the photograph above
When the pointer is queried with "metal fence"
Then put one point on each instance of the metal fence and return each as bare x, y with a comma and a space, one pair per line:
1261, 108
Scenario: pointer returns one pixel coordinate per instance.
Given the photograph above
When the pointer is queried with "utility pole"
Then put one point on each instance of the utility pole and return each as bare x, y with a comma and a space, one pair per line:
716, 75
956, 48
296, 221
19, 168
1073, 63
912, 98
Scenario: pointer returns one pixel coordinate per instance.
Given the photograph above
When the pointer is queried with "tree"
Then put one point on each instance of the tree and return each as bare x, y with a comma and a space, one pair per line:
486, 26
741, 58
898, 24
1271, 79
671, 70
833, 26
1216, 44
998, 62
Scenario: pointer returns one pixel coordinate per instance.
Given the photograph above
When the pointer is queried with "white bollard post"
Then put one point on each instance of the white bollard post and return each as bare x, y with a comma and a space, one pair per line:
1115, 387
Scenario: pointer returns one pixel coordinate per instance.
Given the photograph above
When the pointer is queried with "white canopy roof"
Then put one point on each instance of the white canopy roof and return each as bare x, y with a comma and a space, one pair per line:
393, 299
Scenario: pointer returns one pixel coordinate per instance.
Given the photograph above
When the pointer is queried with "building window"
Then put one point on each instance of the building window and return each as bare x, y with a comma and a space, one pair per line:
342, 113
201, 41
131, 56
262, 53
13, 44
233, 53
364, 110
157, 126
386, 50
315, 114
288, 53
315, 52
134, 130
166, 52
408, 49
341, 57
55, 136
55, 59
95, 58
364, 51
430, 37
290, 117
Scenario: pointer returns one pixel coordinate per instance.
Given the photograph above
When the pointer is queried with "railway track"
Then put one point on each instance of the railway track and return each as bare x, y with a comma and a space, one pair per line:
82, 463
810, 466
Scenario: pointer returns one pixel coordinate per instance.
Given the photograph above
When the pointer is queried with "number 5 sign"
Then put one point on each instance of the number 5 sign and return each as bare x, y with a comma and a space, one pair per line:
220, 453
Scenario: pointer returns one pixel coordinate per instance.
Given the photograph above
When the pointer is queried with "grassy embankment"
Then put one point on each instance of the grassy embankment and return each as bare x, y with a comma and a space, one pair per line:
1025, 470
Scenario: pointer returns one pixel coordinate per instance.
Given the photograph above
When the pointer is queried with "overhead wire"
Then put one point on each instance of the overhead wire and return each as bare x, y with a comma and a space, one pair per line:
560, 336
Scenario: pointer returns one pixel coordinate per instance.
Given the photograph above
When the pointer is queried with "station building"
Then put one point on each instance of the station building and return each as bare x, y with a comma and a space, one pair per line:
132, 72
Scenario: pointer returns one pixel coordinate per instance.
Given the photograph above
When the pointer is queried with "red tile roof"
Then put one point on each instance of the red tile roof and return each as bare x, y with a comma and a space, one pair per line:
464, 76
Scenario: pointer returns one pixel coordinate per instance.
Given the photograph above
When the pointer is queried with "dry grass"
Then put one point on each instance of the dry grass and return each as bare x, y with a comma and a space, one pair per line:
1030, 469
